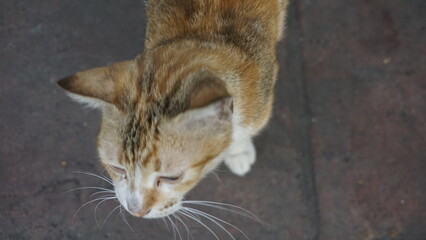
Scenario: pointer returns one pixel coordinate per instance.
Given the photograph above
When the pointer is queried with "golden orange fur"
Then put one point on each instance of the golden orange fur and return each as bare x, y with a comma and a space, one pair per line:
197, 94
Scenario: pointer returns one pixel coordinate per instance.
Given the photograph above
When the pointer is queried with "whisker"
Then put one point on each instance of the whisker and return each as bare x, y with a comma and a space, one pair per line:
97, 199
99, 192
171, 223
95, 175
177, 228
80, 188
103, 224
196, 216
165, 223
222, 206
211, 218
217, 176
200, 222
188, 231
215, 222
94, 211
127, 223
231, 211
118, 213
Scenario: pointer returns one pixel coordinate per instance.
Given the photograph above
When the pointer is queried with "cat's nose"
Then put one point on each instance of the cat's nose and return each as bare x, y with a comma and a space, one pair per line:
137, 210
140, 213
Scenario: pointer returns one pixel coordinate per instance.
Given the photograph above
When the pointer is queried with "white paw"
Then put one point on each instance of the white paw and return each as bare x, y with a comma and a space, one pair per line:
241, 157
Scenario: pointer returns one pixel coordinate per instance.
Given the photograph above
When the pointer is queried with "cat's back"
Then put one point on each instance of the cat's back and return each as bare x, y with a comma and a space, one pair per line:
243, 33
249, 24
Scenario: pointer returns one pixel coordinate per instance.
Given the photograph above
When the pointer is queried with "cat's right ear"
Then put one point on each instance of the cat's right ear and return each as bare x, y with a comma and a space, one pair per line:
99, 86
209, 110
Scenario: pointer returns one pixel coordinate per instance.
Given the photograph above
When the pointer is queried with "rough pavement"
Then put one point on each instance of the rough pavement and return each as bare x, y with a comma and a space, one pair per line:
343, 157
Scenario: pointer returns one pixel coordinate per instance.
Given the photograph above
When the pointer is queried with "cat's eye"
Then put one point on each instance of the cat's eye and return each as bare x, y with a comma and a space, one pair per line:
119, 171
171, 179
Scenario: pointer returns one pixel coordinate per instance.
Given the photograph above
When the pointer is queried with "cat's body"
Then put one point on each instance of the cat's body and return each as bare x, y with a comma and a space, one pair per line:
201, 89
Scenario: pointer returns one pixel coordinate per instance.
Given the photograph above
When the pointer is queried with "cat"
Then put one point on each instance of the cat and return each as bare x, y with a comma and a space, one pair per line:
199, 92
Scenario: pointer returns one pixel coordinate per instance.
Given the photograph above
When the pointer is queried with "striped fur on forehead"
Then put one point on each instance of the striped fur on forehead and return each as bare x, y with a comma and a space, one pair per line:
141, 133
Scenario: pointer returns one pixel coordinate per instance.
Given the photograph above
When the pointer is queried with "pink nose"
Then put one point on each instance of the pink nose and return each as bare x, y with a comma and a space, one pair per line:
140, 213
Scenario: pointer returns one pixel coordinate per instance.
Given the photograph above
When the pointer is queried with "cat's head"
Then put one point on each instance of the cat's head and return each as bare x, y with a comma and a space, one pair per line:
161, 131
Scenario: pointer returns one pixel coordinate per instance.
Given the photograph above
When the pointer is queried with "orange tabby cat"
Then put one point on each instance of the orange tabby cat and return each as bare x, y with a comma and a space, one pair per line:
197, 95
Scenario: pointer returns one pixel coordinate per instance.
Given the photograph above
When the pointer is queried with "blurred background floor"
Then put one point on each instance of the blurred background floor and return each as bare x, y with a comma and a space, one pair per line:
344, 156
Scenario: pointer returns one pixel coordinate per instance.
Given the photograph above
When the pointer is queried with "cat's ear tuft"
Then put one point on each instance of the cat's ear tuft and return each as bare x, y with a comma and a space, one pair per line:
98, 86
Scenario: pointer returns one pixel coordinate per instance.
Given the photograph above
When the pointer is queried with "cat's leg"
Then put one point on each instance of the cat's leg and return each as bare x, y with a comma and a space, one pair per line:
241, 156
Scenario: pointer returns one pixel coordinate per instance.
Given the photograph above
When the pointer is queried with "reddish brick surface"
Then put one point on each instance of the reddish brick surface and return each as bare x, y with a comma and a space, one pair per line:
365, 73
342, 158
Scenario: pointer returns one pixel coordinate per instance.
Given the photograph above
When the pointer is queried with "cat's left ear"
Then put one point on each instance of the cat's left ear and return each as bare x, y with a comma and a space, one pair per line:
98, 86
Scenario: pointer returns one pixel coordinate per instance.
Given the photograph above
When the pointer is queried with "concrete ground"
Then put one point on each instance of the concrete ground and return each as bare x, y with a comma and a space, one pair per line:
343, 157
